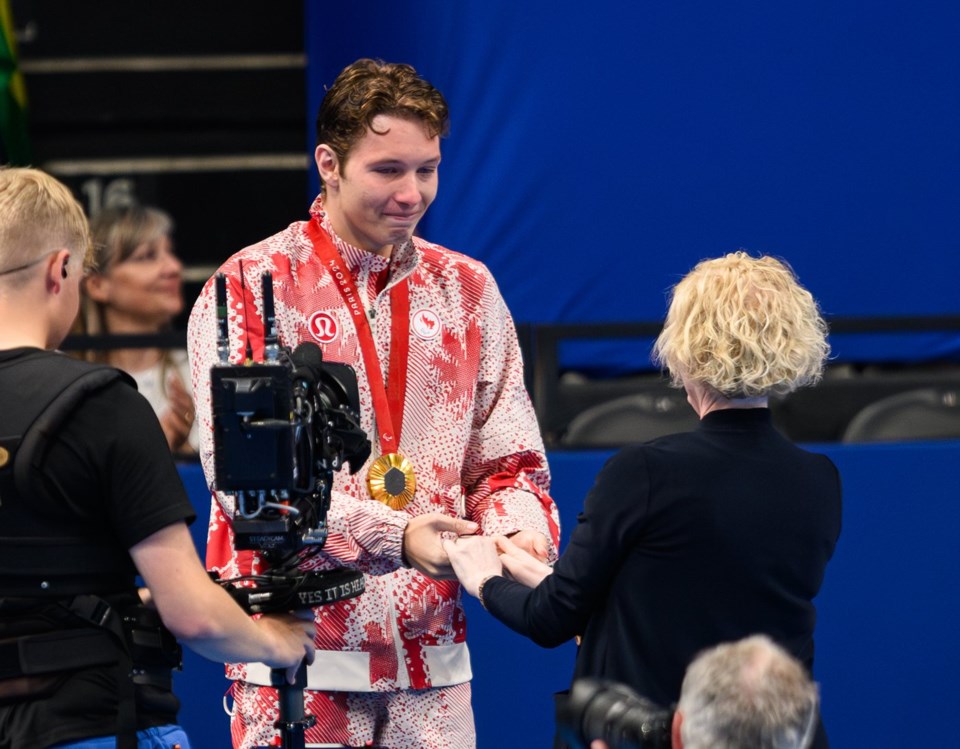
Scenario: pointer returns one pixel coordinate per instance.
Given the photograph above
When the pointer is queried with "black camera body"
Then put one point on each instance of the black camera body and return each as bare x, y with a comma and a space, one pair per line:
281, 427
280, 430
602, 709
253, 438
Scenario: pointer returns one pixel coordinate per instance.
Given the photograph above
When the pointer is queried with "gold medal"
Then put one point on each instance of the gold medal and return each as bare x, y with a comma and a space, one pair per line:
391, 480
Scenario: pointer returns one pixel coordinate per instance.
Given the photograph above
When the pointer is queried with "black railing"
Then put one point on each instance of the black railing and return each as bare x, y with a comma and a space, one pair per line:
812, 415
171, 339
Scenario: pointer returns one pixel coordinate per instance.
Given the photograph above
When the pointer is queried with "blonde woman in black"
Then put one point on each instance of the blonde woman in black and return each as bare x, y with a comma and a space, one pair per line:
698, 538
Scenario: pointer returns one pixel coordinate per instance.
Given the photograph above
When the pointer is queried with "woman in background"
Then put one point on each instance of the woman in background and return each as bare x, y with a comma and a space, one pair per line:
136, 287
697, 538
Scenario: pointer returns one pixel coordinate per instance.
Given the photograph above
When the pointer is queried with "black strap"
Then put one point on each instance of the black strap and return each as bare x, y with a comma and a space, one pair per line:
41, 391
90, 633
295, 591
57, 384
52, 652
101, 614
161, 678
41, 434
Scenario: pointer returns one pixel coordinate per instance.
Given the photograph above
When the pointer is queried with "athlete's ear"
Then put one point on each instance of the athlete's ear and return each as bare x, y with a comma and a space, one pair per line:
328, 165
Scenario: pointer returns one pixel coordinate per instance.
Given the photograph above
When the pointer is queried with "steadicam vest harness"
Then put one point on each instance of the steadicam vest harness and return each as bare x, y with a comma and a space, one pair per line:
62, 580
41, 554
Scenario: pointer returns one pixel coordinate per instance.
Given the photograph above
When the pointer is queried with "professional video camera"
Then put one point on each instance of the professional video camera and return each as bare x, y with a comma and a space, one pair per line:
600, 709
281, 427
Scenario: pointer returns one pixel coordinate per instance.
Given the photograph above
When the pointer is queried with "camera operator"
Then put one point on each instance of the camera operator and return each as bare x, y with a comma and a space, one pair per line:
749, 694
89, 498
696, 538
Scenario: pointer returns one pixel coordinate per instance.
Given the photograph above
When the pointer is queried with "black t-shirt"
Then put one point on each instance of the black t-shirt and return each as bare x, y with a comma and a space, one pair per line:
111, 461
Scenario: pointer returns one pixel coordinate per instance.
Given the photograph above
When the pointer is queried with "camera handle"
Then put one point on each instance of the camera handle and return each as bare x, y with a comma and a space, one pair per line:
293, 722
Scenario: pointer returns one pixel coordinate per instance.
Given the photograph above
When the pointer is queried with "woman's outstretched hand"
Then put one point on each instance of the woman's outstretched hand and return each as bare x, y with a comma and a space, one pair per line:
474, 559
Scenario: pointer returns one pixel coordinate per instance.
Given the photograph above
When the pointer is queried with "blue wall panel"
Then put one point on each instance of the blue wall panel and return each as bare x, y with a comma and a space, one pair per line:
598, 151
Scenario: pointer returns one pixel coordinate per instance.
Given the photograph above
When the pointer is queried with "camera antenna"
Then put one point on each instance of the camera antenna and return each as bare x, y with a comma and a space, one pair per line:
223, 330
246, 330
271, 349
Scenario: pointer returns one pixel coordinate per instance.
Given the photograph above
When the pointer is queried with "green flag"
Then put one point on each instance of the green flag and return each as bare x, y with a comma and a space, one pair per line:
14, 135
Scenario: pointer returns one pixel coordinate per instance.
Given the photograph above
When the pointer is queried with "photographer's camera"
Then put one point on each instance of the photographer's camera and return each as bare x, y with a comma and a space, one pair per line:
600, 709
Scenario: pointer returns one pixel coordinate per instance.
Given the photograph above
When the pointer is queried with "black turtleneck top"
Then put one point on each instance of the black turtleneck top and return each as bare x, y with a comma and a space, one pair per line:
684, 542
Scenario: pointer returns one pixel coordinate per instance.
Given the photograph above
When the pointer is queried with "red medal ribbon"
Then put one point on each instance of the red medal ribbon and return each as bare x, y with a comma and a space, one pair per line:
387, 400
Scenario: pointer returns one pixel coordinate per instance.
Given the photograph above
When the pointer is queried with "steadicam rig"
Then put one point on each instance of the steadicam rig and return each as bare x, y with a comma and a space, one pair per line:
281, 427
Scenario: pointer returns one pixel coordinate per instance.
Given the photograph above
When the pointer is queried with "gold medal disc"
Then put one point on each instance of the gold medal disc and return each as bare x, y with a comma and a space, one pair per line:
391, 480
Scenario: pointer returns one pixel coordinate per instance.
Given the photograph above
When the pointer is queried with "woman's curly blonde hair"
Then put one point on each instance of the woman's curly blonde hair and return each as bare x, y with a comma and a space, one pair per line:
744, 326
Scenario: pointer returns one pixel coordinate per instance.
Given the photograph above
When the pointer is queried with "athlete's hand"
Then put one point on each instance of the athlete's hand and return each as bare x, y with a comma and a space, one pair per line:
532, 542
525, 568
423, 543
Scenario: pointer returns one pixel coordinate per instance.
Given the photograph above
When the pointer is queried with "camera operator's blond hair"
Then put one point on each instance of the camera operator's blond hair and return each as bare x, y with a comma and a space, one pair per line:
38, 214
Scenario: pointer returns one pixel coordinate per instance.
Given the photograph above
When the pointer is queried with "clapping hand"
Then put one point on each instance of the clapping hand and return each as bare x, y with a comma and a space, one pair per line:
177, 419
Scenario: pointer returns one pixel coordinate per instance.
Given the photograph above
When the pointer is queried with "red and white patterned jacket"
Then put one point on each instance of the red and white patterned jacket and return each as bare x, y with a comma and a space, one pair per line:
468, 429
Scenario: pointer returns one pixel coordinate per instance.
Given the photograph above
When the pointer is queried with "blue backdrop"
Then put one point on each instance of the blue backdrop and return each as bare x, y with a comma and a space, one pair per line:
599, 150
887, 648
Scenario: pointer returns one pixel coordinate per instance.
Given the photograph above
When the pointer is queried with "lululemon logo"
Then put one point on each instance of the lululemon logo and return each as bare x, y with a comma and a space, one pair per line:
426, 324
324, 327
